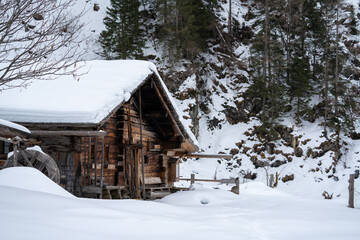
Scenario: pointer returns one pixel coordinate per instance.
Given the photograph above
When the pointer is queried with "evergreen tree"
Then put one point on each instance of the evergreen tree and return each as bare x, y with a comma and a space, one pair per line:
186, 26
300, 83
267, 63
123, 37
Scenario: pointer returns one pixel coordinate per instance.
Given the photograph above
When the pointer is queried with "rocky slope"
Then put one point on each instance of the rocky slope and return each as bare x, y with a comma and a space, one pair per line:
211, 90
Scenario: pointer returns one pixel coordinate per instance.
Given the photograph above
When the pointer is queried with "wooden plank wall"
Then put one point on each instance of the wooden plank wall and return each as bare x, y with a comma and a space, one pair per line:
115, 142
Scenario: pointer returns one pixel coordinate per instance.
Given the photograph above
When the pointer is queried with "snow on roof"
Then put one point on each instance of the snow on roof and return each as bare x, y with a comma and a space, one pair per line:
88, 99
14, 126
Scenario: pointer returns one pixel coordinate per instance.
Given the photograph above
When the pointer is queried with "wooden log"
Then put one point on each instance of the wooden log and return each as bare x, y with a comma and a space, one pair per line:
199, 180
204, 155
69, 133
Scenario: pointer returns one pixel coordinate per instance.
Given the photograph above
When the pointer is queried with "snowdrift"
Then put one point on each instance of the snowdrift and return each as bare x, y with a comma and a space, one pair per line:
29, 178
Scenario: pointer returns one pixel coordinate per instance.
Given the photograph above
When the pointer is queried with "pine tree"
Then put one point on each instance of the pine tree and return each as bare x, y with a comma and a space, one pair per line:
267, 63
300, 82
123, 37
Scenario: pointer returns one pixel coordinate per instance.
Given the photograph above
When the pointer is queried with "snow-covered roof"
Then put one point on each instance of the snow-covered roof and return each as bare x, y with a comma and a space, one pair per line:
88, 99
15, 126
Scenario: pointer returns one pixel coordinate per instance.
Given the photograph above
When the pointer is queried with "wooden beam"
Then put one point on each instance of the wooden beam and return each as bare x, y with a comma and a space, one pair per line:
156, 115
199, 180
69, 133
204, 155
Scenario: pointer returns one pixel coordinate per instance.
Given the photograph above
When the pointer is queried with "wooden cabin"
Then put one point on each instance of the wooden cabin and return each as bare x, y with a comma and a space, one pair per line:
114, 133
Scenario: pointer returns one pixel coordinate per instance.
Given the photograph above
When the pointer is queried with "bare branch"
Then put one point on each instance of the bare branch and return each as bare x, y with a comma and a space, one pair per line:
38, 40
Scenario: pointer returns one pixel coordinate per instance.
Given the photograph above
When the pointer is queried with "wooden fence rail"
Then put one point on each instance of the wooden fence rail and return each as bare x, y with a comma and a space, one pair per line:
221, 181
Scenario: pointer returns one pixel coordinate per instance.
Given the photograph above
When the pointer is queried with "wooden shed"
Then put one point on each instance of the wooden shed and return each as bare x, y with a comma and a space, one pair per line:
114, 133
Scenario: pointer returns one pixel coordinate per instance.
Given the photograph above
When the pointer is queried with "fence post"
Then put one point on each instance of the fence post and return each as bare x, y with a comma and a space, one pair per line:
271, 181
237, 182
351, 190
192, 179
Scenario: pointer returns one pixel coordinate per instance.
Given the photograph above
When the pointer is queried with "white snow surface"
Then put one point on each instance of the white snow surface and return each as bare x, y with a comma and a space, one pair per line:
204, 213
14, 125
28, 178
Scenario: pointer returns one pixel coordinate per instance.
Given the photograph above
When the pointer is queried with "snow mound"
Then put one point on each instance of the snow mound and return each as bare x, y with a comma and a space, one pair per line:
29, 178
200, 196
261, 189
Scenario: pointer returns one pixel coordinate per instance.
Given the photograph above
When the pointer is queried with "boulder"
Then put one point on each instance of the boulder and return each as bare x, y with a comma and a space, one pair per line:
288, 178
38, 17
298, 152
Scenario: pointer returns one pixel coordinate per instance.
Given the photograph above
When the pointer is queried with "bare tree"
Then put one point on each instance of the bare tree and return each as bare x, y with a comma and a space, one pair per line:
38, 40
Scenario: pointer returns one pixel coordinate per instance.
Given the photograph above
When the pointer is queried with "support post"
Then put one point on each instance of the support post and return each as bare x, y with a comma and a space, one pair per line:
102, 166
137, 177
89, 162
142, 149
271, 180
351, 190
192, 179
95, 159
84, 161
237, 183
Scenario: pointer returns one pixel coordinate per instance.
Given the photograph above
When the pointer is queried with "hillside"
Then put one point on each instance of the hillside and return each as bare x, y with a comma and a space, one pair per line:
301, 134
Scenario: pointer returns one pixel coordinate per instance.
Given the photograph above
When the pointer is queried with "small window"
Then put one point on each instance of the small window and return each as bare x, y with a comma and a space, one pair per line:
146, 159
7, 147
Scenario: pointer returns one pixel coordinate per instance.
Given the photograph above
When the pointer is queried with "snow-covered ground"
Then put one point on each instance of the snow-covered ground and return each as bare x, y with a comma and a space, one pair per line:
311, 177
32, 207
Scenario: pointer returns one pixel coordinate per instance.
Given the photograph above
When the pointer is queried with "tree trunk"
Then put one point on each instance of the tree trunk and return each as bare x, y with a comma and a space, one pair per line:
337, 63
326, 74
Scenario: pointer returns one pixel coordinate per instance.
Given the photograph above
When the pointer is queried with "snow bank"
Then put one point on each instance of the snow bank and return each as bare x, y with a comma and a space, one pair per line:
14, 125
200, 196
260, 189
179, 216
29, 178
